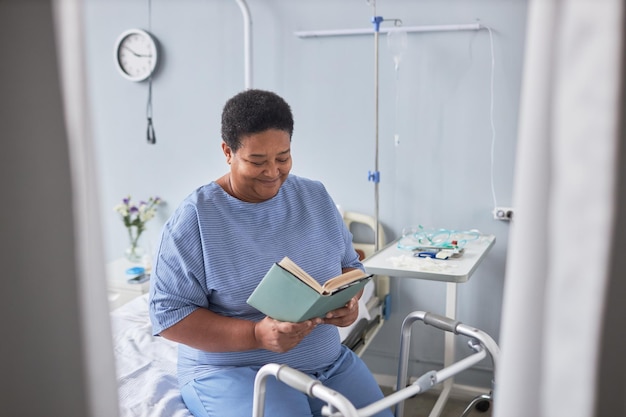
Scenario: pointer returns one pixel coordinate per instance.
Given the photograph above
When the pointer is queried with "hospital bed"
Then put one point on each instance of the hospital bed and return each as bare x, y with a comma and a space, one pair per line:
375, 303
146, 365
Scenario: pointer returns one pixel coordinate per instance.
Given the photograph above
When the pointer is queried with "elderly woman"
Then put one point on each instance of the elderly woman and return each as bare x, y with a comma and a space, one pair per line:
219, 244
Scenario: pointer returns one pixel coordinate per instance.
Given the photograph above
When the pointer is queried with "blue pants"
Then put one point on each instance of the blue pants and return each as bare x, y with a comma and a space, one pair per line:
229, 393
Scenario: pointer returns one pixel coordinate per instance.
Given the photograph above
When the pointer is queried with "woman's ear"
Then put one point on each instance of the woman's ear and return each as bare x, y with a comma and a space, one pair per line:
228, 152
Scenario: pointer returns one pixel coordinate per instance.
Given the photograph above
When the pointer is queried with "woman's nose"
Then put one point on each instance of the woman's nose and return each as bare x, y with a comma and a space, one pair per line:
272, 169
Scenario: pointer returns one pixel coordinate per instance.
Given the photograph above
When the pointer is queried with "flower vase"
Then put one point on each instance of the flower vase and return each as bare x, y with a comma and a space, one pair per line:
134, 253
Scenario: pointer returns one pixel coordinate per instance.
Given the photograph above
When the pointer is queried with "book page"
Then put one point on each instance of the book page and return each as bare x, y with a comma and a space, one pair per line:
292, 267
343, 279
330, 285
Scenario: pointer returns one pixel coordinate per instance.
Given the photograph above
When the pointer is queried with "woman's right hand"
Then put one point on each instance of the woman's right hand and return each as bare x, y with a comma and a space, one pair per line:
282, 336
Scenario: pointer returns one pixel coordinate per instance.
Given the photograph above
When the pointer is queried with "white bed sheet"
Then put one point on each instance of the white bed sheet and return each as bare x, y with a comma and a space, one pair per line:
146, 365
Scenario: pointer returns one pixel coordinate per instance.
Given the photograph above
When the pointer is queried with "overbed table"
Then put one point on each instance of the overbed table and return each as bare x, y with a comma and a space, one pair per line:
400, 263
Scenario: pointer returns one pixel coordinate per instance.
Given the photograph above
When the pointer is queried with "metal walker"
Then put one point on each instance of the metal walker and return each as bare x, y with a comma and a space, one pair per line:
339, 406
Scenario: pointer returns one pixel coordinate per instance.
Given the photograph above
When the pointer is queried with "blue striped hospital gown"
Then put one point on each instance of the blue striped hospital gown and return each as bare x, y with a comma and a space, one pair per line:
214, 250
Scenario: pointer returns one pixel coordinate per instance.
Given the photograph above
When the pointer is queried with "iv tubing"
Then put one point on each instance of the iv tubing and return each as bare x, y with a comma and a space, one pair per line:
369, 31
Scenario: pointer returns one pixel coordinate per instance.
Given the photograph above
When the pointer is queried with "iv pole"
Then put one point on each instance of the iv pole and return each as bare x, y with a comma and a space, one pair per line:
375, 175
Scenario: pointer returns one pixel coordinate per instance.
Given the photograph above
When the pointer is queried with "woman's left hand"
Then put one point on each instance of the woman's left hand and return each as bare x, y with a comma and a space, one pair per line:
345, 315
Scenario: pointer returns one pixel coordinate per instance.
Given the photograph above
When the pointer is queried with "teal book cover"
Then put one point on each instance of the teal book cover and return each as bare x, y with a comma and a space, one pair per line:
285, 297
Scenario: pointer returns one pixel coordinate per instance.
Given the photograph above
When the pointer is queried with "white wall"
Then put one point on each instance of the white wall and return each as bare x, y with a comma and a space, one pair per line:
439, 104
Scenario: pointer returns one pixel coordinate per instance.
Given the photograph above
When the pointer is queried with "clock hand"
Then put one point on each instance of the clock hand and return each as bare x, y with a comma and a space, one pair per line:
138, 55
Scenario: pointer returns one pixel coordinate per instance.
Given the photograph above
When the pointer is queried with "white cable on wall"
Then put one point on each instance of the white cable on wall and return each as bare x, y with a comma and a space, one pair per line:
491, 118
247, 42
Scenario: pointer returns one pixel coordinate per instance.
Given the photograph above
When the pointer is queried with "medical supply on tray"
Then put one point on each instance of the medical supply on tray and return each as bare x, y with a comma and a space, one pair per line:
436, 243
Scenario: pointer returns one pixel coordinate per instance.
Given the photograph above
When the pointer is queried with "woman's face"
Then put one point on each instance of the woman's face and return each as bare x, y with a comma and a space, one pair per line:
260, 166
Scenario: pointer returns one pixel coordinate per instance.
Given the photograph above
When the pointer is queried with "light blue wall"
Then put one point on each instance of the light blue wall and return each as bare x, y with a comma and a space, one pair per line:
438, 102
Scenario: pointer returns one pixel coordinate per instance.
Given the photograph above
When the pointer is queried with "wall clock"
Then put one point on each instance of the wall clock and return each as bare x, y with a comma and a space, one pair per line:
136, 54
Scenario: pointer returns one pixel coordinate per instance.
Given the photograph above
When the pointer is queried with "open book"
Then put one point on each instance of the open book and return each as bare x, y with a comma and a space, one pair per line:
288, 293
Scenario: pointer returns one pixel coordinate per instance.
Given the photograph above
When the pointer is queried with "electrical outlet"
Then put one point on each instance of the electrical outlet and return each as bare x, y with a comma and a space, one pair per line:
503, 213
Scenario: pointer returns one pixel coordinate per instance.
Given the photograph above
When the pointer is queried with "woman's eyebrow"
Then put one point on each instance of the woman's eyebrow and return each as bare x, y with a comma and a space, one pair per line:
261, 155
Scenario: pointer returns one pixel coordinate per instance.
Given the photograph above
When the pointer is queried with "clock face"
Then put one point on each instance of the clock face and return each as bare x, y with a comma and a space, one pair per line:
136, 54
